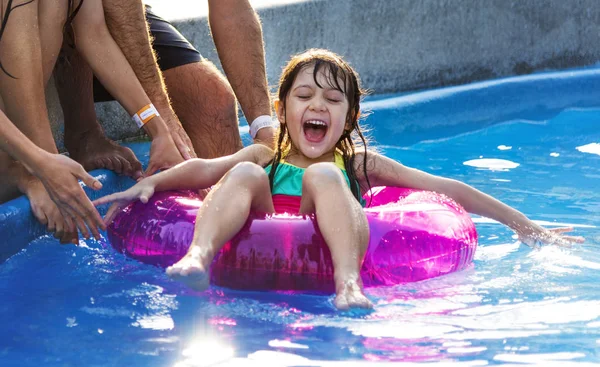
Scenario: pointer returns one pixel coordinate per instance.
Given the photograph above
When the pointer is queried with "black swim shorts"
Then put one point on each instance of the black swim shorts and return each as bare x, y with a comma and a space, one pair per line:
171, 47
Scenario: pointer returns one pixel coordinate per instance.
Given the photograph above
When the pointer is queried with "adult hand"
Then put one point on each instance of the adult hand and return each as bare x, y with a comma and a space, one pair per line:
536, 235
143, 191
59, 175
48, 214
266, 136
163, 154
181, 139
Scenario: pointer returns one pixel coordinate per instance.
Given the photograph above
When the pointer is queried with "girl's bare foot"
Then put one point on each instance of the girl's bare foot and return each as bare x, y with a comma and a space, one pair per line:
193, 269
350, 294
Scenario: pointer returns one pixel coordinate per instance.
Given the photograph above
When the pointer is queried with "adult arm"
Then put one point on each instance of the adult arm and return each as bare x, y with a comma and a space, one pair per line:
58, 173
126, 22
384, 171
110, 66
238, 37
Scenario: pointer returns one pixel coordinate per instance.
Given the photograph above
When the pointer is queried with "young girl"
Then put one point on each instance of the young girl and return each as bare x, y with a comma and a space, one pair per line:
314, 169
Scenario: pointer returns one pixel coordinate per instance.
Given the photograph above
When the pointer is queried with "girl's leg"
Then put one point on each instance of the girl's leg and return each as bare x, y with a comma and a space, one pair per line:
224, 211
344, 226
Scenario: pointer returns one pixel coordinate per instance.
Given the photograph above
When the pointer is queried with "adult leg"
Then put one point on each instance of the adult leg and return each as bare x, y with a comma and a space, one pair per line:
246, 185
344, 226
24, 95
84, 138
200, 95
127, 25
8, 184
206, 107
25, 104
52, 18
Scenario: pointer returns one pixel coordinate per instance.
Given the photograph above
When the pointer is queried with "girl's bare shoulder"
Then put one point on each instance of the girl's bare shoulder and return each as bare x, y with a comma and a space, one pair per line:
361, 157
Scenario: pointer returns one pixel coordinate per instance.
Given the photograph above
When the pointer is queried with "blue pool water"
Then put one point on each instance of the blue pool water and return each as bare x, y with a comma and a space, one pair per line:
539, 152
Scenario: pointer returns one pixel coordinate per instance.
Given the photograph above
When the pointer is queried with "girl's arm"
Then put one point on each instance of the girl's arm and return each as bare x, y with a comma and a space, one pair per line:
96, 45
200, 173
384, 171
193, 174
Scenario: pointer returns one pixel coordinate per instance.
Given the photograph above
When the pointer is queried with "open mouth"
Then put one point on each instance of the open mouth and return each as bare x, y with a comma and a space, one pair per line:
314, 130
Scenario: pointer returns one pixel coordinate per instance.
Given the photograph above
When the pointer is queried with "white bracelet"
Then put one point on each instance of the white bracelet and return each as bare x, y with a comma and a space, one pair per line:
259, 123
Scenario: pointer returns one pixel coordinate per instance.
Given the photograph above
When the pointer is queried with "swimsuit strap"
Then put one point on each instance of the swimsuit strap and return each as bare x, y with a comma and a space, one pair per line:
338, 161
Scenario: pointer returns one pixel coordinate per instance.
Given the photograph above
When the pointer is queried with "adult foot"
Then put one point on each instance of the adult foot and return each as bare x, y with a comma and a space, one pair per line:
93, 150
46, 211
350, 294
193, 269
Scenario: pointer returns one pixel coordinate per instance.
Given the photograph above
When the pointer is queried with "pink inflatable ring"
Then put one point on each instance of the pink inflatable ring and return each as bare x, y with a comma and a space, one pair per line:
414, 235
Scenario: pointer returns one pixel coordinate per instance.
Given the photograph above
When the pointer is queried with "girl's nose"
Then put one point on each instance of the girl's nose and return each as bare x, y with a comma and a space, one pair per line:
317, 104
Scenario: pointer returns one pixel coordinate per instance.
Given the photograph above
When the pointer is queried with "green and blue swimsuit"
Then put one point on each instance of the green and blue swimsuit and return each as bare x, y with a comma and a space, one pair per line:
287, 185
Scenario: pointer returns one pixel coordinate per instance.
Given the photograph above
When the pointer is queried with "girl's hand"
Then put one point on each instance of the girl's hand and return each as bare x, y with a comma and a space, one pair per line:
535, 235
143, 191
163, 154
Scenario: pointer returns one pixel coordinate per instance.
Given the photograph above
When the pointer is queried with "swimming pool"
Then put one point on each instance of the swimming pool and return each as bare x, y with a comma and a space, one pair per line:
533, 142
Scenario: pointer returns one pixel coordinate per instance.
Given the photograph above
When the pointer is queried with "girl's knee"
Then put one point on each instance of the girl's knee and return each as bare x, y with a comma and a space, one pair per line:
249, 174
321, 175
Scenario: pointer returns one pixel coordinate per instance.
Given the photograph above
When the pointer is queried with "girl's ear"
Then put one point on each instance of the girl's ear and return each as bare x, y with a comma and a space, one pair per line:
279, 111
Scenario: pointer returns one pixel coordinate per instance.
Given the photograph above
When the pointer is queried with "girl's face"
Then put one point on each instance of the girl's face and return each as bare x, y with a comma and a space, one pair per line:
315, 117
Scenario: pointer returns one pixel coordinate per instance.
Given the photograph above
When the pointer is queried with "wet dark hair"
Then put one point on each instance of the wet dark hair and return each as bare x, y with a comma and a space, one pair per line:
72, 11
342, 77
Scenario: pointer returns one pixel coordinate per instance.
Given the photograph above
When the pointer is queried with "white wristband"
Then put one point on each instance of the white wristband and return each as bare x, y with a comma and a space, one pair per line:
259, 123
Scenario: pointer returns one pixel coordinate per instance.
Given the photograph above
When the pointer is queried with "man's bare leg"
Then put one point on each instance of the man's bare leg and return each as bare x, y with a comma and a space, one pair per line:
206, 107
8, 186
25, 104
84, 138
127, 24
